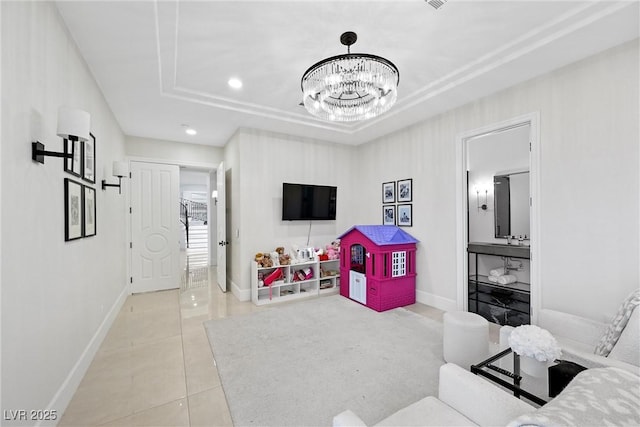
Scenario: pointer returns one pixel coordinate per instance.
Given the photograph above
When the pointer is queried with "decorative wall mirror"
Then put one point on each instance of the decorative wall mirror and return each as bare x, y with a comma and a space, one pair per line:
511, 204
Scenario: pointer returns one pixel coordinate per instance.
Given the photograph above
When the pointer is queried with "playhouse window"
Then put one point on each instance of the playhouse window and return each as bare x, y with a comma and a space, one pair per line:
358, 258
398, 264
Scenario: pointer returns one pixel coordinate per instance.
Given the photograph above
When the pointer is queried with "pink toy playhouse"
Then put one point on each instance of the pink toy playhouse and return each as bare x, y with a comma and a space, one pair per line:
378, 266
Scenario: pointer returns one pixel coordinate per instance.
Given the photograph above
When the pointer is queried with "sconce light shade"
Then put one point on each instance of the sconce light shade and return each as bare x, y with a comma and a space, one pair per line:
73, 124
120, 169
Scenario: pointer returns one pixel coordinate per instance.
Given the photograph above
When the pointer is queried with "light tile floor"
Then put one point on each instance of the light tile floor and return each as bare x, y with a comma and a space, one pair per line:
155, 367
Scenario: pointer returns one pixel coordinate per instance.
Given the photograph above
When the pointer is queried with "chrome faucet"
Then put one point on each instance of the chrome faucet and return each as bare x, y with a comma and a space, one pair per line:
508, 267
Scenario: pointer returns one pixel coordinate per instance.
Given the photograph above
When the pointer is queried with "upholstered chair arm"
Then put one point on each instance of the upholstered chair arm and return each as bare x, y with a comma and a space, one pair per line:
477, 399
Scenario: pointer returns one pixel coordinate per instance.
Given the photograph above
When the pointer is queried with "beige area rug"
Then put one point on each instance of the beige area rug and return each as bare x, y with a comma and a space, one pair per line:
300, 364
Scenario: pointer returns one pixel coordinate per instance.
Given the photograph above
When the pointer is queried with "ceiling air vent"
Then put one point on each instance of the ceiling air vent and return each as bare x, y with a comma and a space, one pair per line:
436, 3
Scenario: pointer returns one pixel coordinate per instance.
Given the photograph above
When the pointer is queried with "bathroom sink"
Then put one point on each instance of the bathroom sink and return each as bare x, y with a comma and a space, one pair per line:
505, 245
502, 249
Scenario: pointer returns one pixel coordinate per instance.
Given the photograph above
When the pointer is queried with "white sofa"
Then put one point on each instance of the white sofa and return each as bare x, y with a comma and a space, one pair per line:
464, 399
578, 338
606, 396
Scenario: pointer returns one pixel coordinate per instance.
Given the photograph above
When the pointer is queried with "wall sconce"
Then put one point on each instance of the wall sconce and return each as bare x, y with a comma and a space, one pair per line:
120, 170
484, 206
73, 124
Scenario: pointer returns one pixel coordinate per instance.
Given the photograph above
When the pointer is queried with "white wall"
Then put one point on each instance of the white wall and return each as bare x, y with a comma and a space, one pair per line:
268, 160
589, 191
58, 298
177, 153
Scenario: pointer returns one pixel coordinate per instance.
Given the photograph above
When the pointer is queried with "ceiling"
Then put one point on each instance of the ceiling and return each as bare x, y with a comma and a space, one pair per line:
165, 64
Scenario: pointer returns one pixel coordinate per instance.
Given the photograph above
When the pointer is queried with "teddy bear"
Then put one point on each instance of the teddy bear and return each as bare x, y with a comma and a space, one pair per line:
267, 261
284, 259
259, 258
264, 259
331, 252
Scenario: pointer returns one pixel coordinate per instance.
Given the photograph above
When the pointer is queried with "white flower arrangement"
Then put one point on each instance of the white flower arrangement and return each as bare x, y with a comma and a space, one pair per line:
535, 342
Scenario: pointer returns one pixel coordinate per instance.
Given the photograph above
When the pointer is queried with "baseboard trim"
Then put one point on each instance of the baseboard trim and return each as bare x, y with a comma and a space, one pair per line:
241, 294
436, 301
65, 393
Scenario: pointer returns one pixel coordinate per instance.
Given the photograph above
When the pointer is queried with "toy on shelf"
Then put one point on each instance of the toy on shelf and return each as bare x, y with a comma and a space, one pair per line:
333, 250
284, 259
328, 273
272, 277
303, 274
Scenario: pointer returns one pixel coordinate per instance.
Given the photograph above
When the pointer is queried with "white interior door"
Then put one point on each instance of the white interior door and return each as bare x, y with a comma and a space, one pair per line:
155, 238
221, 225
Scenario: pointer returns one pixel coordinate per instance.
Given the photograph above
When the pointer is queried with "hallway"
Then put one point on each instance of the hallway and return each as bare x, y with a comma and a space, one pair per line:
155, 367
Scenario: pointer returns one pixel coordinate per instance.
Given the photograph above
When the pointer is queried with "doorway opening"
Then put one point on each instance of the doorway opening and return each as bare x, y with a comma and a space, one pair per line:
481, 219
196, 223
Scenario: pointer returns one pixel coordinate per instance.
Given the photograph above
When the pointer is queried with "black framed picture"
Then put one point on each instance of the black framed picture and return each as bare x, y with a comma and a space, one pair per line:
73, 165
89, 159
88, 211
405, 215
405, 190
389, 192
389, 215
72, 209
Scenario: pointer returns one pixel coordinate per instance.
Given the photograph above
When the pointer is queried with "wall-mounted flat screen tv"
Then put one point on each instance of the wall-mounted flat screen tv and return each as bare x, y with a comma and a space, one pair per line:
308, 202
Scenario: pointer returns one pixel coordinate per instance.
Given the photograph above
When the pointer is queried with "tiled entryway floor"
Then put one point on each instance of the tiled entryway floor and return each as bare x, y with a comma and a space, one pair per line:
155, 367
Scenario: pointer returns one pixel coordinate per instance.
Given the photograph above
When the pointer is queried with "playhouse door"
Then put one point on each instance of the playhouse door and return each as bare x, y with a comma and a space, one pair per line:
358, 287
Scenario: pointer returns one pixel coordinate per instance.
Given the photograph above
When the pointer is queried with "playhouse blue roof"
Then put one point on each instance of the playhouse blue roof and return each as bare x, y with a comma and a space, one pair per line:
383, 234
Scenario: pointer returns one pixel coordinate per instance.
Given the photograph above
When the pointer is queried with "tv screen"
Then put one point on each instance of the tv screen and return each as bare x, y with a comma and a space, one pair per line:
306, 202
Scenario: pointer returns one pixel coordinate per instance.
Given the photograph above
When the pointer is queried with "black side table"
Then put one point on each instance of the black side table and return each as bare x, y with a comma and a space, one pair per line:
560, 375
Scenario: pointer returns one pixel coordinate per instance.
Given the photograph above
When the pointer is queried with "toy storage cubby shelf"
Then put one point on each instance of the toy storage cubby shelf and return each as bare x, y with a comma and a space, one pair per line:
325, 278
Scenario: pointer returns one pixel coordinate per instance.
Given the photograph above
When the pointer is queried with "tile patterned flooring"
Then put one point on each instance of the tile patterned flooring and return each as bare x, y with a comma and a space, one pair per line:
155, 367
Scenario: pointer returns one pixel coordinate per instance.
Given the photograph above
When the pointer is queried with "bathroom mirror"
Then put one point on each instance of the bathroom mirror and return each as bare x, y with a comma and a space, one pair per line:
511, 204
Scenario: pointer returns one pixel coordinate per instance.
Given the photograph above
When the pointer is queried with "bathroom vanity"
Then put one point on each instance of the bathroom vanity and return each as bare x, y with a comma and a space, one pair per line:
505, 304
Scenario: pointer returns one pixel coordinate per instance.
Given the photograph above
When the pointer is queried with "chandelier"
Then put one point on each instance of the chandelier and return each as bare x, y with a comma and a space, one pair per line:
351, 87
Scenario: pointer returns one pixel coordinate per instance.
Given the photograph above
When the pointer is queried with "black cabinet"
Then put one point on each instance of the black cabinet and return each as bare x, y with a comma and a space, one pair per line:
508, 304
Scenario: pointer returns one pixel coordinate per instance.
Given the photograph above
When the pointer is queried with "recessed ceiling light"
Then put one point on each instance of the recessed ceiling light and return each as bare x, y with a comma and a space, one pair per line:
189, 130
235, 83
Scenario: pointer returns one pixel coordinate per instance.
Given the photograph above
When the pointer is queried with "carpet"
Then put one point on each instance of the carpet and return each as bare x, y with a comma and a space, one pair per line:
301, 363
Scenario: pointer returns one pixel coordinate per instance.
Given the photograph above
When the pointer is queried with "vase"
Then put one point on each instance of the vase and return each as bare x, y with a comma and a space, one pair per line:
533, 366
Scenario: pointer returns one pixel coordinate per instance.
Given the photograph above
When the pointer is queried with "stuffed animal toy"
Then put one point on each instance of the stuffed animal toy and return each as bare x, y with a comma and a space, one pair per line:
332, 253
259, 257
267, 261
321, 254
284, 259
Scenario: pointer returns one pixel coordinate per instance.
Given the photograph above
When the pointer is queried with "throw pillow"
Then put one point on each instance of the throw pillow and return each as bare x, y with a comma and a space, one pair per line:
613, 332
595, 397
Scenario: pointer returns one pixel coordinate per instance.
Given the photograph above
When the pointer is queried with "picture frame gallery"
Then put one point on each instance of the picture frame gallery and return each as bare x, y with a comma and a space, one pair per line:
79, 198
79, 210
400, 192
